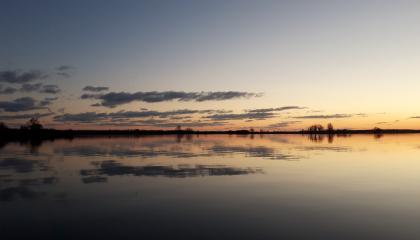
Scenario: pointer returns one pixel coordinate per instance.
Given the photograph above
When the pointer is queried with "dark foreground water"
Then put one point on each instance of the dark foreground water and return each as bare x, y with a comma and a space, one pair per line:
212, 187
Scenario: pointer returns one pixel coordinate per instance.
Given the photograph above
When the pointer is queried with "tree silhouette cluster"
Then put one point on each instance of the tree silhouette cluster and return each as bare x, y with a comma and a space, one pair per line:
316, 128
32, 125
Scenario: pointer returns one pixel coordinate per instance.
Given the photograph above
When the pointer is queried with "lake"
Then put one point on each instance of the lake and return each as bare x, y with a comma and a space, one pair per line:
212, 187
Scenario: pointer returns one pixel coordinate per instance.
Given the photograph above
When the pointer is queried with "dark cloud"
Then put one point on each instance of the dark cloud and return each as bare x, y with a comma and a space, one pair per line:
28, 87
17, 77
7, 90
35, 87
253, 114
47, 101
25, 116
114, 99
192, 124
64, 68
81, 117
19, 104
283, 124
325, 116
95, 89
91, 96
93, 116
51, 89
242, 116
279, 109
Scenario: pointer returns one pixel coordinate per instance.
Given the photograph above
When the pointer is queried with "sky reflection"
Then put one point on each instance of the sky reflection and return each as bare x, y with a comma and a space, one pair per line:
153, 184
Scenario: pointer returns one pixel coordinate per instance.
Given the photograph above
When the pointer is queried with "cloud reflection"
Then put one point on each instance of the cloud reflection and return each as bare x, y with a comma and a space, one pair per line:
114, 168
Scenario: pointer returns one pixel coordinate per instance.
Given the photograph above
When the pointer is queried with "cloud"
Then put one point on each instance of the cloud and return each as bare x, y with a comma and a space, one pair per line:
94, 116
241, 116
25, 116
51, 89
7, 90
283, 124
169, 124
17, 77
19, 104
325, 116
95, 89
91, 96
47, 101
35, 87
27, 87
279, 109
63, 70
114, 99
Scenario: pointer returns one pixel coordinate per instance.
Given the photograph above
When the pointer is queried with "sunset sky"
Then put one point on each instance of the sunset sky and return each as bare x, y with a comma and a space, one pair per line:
210, 64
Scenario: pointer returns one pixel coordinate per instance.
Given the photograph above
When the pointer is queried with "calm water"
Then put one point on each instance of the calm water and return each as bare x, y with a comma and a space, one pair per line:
212, 187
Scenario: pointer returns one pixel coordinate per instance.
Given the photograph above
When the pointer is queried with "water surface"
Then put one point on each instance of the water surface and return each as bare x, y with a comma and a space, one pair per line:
212, 187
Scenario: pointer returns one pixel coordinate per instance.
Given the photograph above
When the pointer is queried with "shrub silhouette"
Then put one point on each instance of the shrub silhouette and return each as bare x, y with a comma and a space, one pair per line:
32, 125
316, 128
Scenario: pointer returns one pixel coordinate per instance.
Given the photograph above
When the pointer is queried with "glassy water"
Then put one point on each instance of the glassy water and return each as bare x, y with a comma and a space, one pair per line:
212, 187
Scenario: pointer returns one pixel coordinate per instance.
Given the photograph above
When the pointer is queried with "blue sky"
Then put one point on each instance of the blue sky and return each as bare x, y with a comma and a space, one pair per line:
333, 58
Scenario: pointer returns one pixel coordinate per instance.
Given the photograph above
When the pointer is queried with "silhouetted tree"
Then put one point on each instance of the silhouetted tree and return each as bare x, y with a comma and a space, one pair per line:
178, 128
330, 127
377, 130
316, 128
377, 133
33, 124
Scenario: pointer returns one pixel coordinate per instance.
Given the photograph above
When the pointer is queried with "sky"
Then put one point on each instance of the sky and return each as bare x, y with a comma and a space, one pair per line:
274, 65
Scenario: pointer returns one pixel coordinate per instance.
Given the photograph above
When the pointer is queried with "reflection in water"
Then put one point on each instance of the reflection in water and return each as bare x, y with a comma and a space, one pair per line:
113, 168
252, 151
23, 165
324, 148
20, 192
214, 187
190, 149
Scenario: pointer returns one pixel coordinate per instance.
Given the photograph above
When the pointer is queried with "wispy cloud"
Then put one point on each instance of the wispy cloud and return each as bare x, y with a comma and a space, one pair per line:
7, 90
278, 109
95, 89
94, 116
25, 116
18, 77
28, 87
50, 89
242, 116
325, 116
20, 104
283, 124
114, 99
64, 71
47, 101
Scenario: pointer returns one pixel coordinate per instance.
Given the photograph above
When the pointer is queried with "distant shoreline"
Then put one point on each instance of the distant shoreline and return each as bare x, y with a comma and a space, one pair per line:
45, 134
